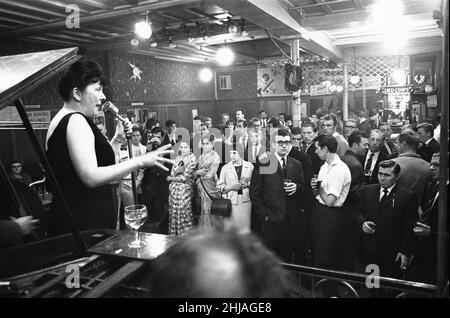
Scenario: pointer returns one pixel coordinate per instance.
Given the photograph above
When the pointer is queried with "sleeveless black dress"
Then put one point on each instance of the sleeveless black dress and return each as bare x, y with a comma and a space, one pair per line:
91, 208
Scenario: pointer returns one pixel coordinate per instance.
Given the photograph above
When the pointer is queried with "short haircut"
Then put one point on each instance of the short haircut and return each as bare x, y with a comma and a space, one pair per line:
170, 122
225, 114
16, 160
410, 138
80, 74
150, 123
355, 138
427, 127
282, 114
157, 130
243, 121
330, 117
230, 122
240, 110
282, 131
262, 111
240, 264
136, 127
387, 164
274, 121
208, 119
309, 124
378, 132
296, 131
351, 121
197, 117
288, 117
327, 141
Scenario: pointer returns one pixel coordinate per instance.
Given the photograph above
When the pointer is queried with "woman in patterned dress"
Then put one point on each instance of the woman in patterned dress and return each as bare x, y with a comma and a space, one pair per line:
181, 191
207, 179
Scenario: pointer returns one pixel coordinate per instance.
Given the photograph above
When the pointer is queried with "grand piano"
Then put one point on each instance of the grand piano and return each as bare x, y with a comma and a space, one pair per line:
95, 263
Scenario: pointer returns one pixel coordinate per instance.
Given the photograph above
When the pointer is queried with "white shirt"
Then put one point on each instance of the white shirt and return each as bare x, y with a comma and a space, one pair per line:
428, 141
389, 190
336, 179
374, 160
252, 150
280, 160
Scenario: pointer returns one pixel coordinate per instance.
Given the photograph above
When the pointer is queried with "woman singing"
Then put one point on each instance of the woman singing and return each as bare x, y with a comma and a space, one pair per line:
82, 159
181, 191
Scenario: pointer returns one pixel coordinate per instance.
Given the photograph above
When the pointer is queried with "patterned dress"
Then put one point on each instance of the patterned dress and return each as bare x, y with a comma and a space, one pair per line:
209, 161
181, 192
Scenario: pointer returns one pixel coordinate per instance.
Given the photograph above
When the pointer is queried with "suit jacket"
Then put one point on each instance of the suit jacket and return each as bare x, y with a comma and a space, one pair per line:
228, 176
307, 171
394, 220
315, 160
373, 179
427, 151
353, 161
364, 127
391, 146
267, 190
248, 154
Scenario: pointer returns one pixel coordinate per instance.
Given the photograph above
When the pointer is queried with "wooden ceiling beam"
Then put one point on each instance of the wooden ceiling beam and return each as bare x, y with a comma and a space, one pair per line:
60, 5
29, 7
324, 7
97, 4
275, 17
93, 18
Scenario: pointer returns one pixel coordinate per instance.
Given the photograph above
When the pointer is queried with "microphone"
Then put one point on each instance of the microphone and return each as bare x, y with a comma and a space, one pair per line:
109, 107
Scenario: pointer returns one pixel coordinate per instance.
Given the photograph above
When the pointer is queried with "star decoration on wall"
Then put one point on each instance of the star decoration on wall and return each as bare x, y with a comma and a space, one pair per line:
136, 72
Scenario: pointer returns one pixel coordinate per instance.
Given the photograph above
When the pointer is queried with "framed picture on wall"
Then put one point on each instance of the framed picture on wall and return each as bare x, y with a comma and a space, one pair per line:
423, 71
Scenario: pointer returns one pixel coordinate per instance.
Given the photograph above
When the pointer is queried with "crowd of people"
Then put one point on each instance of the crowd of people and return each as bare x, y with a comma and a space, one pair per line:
329, 193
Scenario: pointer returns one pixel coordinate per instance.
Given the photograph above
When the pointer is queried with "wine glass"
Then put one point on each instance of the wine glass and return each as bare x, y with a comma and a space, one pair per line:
135, 217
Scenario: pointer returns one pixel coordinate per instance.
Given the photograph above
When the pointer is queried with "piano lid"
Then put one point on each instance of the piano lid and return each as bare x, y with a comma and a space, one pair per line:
22, 73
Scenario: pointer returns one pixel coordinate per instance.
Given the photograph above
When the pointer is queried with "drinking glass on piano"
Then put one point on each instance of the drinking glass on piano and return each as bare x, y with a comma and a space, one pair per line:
135, 217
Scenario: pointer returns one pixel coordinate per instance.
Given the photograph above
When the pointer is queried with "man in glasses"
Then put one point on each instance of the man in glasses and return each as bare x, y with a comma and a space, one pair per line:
350, 126
277, 195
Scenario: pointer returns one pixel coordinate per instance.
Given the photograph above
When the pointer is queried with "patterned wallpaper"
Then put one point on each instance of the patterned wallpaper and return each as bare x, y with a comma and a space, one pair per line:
243, 83
156, 80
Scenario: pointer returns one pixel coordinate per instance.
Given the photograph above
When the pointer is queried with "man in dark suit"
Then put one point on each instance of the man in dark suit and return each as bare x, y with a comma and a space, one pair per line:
373, 156
428, 145
309, 133
169, 136
423, 267
386, 214
276, 191
388, 147
363, 123
255, 146
349, 236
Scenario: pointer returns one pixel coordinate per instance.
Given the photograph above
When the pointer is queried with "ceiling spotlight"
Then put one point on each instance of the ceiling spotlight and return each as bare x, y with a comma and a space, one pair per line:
153, 44
205, 74
244, 33
143, 29
224, 56
134, 42
232, 28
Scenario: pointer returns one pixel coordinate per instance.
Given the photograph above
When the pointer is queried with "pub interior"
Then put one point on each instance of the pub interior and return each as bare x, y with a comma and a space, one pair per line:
137, 139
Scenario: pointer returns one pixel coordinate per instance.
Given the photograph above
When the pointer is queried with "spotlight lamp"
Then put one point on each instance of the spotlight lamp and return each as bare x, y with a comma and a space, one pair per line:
143, 29
224, 56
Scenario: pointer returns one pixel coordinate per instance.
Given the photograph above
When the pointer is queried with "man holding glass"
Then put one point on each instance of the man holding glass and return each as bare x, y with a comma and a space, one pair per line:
276, 195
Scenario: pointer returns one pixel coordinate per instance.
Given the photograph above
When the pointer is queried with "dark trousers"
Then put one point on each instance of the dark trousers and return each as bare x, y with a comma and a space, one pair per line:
349, 240
326, 226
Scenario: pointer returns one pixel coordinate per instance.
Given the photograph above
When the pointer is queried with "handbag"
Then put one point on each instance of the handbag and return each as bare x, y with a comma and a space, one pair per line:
220, 206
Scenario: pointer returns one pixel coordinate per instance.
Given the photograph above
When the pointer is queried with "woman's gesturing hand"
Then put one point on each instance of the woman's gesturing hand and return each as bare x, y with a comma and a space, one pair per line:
155, 158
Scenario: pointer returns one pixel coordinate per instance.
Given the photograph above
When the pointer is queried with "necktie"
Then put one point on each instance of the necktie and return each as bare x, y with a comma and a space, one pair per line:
368, 165
430, 200
284, 166
243, 142
255, 153
384, 198
388, 148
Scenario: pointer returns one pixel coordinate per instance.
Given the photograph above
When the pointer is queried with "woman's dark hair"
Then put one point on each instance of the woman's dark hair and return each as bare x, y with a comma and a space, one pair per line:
80, 75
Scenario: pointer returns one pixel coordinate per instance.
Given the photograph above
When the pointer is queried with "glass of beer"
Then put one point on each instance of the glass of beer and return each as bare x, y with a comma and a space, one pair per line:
135, 216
